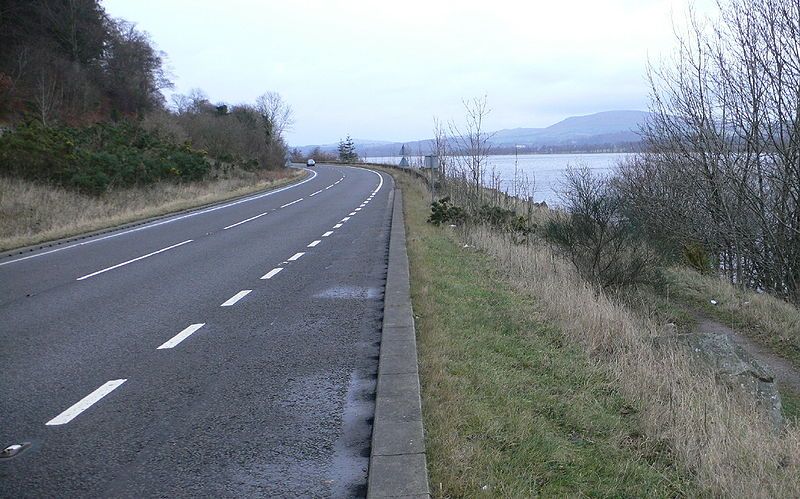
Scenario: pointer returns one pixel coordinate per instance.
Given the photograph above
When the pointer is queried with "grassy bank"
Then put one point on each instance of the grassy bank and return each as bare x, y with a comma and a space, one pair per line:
511, 409
520, 358
31, 213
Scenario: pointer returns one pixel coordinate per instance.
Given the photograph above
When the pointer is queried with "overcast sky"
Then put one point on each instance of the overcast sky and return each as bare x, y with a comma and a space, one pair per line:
382, 70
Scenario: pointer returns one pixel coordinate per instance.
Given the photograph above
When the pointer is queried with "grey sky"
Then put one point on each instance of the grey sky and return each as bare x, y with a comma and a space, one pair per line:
382, 70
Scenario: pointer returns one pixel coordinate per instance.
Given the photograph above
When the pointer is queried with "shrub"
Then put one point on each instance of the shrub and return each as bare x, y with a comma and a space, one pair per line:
443, 211
602, 244
96, 158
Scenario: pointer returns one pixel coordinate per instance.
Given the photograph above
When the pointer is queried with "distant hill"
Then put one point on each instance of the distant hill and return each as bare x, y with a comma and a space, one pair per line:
608, 130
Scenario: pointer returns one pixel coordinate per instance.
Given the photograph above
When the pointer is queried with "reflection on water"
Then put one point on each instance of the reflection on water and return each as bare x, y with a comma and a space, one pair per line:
545, 170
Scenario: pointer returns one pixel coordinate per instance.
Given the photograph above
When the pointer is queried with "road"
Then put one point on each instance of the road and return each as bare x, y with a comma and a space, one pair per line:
230, 351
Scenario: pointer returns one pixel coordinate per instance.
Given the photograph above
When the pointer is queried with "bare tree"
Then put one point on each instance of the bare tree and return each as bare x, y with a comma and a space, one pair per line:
722, 168
276, 113
472, 145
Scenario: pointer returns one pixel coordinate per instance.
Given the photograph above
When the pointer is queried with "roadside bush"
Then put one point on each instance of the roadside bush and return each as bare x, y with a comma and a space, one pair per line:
602, 244
443, 211
97, 158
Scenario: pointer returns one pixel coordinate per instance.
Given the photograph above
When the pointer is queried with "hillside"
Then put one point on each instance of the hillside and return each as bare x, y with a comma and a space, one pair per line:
605, 129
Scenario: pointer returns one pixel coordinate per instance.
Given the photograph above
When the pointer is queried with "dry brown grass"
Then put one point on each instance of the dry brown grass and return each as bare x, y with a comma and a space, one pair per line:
33, 213
770, 321
724, 440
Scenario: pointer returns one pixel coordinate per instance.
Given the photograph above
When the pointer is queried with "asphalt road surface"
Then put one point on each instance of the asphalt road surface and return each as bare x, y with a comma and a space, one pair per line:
230, 351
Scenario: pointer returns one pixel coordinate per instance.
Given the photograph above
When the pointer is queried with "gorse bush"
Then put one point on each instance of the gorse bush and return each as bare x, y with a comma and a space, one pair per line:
443, 211
97, 158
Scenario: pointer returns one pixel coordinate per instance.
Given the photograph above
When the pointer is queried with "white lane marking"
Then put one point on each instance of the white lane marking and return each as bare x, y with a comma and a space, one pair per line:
245, 220
328, 187
352, 213
366, 202
327, 233
314, 194
85, 403
172, 342
296, 256
345, 219
357, 209
272, 273
337, 226
167, 221
238, 296
314, 243
293, 202
134, 260
362, 205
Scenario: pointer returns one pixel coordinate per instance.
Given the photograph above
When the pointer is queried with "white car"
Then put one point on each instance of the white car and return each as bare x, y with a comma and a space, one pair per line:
311, 162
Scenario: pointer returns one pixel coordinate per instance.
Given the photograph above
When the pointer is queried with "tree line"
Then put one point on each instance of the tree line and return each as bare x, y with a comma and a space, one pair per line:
81, 105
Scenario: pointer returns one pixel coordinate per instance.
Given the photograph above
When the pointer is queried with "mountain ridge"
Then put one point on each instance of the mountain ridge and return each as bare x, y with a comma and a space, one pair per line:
613, 129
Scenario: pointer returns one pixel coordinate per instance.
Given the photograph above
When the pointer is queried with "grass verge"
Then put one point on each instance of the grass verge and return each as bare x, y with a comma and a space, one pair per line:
510, 408
32, 213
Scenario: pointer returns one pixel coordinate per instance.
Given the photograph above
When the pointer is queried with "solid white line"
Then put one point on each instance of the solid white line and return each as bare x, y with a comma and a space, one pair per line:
337, 226
134, 260
327, 233
293, 202
85, 403
296, 256
167, 221
238, 296
272, 273
245, 221
314, 243
352, 213
345, 219
312, 195
181, 336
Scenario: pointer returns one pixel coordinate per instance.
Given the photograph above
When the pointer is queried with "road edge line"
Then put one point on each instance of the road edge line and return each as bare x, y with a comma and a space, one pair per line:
51, 243
397, 464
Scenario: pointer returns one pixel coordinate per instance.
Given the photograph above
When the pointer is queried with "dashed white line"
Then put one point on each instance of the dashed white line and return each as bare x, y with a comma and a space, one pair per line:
313, 243
85, 403
314, 194
272, 273
337, 226
134, 260
238, 296
357, 209
327, 233
296, 256
171, 343
293, 202
352, 213
345, 219
362, 205
245, 220
328, 187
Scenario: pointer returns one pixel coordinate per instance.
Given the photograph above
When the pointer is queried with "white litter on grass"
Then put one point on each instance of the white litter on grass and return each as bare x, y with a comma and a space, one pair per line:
713, 302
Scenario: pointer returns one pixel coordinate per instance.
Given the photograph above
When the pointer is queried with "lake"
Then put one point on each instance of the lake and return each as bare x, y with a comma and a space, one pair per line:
546, 170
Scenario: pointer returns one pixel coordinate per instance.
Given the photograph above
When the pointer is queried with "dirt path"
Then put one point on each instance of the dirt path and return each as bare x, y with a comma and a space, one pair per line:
785, 373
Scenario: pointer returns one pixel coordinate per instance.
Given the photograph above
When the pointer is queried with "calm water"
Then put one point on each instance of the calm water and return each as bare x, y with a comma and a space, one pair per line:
545, 170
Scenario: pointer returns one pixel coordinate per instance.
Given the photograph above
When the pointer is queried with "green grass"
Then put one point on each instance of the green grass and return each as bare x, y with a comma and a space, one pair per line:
510, 408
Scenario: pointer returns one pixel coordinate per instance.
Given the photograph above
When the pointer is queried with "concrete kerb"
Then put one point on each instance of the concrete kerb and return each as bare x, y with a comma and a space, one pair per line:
397, 466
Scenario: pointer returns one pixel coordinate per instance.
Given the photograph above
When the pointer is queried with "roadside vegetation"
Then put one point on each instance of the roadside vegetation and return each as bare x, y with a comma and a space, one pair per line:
512, 407
511, 333
87, 139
